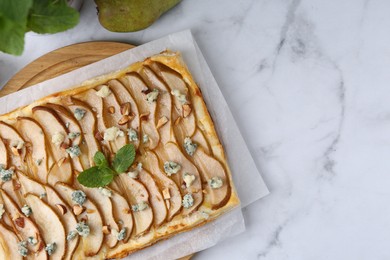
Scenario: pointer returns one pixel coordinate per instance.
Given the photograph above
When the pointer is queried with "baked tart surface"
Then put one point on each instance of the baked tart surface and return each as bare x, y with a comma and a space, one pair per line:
179, 179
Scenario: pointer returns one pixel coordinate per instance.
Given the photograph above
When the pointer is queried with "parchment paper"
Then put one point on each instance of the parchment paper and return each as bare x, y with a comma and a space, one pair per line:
247, 179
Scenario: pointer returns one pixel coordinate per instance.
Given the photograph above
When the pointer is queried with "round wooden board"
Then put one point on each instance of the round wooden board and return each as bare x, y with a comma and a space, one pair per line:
61, 61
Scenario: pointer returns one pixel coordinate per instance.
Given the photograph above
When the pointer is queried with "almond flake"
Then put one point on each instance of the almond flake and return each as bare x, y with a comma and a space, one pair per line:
162, 121
90, 211
111, 110
106, 230
98, 136
124, 120
77, 209
168, 203
125, 109
14, 150
166, 193
186, 110
62, 209
20, 222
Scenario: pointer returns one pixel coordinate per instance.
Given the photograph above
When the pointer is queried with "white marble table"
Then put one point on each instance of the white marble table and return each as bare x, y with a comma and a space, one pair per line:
309, 85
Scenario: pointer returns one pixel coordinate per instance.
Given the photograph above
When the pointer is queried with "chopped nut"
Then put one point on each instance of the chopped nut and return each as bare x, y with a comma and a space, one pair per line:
126, 211
20, 222
14, 150
90, 211
111, 110
16, 185
124, 120
162, 121
144, 117
204, 191
106, 230
186, 110
98, 136
77, 209
62, 209
125, 109
64, 145
84, 219
41, 246
61, 161
178, 120
168, 203
166, 193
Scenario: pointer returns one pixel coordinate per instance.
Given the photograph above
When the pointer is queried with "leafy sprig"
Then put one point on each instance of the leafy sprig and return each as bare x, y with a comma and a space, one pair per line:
103, 173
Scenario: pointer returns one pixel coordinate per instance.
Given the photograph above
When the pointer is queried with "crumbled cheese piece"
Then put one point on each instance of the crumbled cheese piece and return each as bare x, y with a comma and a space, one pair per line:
73, 135
189, 146
32, 241
79, 197
50, 248
27, 211
122, 234
58, 138
215, 182
205, 215
134, 174
2, 210
5, 175
42, 195
73, 151
133, 135
145, 138
104, 91
112, 133
152, 96
188, 179
22, 248
140, 206
82, 229
18, 144
171, 167
78, 114
38, 162
181, 97
105, 192
188, 201
72, 234
68, 123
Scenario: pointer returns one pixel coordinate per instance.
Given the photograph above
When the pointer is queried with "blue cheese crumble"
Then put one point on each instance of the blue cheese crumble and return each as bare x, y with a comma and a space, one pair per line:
152, 96
73, 151
27, 211
32, 241
50, 248
79, 197
140, 206
105, 192
22, 248
145, 138
188, 179
188, 201
72, 234
82, 229
189, 146
215, 182
171, 168
133, 135
79, 113
2, 210
181, 97
73, 135
119, 235
5, 175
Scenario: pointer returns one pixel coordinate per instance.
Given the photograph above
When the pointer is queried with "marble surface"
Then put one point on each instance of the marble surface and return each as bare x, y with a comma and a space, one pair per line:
308, 84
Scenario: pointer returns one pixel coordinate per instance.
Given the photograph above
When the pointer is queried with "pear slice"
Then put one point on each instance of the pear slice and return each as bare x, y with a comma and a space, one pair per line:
55, 202
32, 132
105, 207
12, 139
199, 139
147, 110
167, 185
113, 118
22, 225
88, 125
210, 167
170, 152
9, 244
156, 199
73, 127
124, 96
52, 125
122, 214
164, 105
4, 158
11, 187
136, 193
174, 81
92, 243
49, 223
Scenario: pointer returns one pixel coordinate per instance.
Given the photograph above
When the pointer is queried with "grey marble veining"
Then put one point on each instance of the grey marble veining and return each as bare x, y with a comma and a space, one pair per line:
308, 83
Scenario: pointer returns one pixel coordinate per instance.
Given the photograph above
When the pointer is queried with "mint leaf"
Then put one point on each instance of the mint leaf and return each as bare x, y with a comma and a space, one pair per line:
13, 20
100, 160
124, 158
96, 177
48, 16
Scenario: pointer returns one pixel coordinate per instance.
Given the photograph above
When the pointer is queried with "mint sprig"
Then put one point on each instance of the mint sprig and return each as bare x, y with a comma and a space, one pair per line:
103, 173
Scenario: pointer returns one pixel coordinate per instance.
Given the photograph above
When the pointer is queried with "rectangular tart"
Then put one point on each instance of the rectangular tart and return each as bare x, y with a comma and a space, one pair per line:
179, 180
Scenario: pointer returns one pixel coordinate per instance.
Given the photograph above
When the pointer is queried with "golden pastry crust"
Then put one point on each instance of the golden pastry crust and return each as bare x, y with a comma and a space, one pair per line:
204, 123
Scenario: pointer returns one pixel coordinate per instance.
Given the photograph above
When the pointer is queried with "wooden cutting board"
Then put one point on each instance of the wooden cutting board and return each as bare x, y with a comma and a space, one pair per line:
61, 61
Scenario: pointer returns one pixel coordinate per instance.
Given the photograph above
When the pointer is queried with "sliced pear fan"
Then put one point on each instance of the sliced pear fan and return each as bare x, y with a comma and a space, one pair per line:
9, 244
14, 143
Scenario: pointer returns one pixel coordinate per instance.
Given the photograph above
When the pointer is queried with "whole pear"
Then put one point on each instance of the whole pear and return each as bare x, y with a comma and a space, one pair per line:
131, 15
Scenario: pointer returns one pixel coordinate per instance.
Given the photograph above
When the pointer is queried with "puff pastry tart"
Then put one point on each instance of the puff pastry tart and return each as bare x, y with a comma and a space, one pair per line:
179, 179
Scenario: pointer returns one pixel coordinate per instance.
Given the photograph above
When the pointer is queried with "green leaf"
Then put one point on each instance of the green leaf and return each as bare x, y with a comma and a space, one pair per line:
52, 16
13, 21
95, 177
100, 160
124, 158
